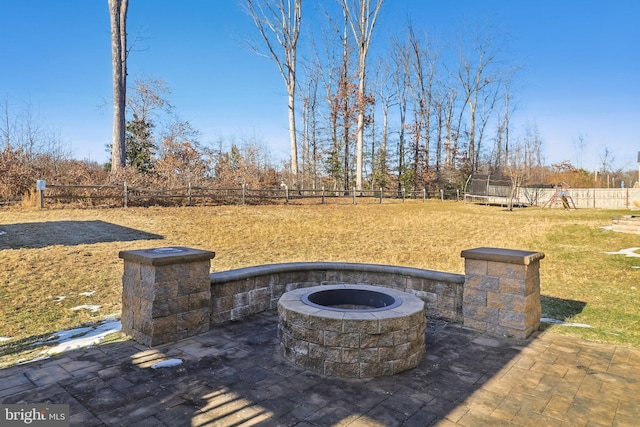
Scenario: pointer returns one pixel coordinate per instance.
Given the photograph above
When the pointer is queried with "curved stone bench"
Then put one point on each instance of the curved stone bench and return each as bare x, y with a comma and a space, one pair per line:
241, 292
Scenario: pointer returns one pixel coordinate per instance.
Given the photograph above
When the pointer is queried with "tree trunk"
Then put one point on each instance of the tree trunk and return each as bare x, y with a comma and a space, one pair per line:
292, 129
362, 28
118, 15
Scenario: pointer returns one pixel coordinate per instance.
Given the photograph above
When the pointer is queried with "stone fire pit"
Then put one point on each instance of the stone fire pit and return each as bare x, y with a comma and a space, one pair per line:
357, 331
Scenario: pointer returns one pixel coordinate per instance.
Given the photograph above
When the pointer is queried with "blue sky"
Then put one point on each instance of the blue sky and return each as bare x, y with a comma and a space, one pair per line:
580, 59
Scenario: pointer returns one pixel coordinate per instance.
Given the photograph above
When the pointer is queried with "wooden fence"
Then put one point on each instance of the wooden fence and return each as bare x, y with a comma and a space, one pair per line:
583, 198
113, 195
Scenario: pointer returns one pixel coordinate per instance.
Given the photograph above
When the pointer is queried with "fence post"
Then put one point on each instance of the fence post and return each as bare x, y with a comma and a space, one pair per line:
354, 195
403, 194
41, 185
189, 193
243, 192
380, 195
286, 194
125, 195
441, 195
323, 194
457, 194
424, 195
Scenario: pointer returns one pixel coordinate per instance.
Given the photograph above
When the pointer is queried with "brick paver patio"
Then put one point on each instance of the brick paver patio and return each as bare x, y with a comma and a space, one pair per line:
235, 376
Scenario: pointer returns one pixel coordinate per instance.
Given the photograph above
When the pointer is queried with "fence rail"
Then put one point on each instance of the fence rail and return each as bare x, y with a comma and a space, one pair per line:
126, 195
583, 198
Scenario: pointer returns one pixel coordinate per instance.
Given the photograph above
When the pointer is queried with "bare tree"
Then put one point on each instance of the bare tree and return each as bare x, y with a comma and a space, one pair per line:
118, 15
401, 81
579, 145
477, 79
362, 28
278, 22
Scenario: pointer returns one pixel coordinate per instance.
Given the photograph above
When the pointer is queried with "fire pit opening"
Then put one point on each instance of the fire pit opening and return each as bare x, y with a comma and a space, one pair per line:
348, 299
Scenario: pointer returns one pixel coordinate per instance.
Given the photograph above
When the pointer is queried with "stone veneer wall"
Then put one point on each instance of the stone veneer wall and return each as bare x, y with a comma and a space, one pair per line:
168, 293
239, 293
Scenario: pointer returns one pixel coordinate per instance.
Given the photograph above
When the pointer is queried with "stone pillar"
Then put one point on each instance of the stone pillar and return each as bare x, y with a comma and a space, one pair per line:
166, 294
502, 291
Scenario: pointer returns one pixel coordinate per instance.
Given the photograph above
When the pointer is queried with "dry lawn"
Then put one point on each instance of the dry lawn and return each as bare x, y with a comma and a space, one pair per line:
53, 253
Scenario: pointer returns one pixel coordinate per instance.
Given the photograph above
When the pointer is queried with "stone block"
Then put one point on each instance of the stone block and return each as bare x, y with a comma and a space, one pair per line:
513, 286
474, 297
394, 323
533, 271
193, 286
260, 298
430, 299
299, 346
482, 283
472, 323
240, 312
532, 302
309, 363
393, 353
506, 270
513, 319
220, 317
377, 340
483, 314
369, 355
131, 272
191, 320
170, 273
143, 324
147, 274
163, 291
241, 299
369, 326
507, 301
349, 370
222, 304
342, 339
277, 289
162, 309
199, 270
127, 320
302, 333
333, 324
332, 354
475, 267
223, 289
195, 301
164, 325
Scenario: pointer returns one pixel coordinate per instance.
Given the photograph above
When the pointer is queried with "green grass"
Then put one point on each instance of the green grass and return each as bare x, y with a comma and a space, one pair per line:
579, 282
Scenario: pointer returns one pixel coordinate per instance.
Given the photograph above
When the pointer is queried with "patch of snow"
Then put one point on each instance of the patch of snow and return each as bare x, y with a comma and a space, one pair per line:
2, 232
607, 227
24, 362
563, 323
93, 308
4, 339
73, 339
59, 298
87, 294
630, 252
167, 363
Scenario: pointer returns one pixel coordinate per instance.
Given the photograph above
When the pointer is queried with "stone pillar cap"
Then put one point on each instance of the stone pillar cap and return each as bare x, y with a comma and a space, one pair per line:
510, 256
166, 256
